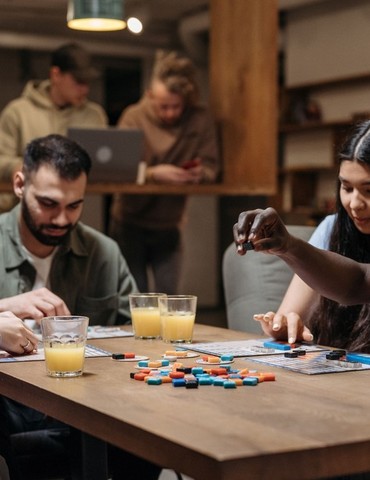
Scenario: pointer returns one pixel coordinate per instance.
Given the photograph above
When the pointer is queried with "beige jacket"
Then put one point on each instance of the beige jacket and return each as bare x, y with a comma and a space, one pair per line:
34, 115
194, 136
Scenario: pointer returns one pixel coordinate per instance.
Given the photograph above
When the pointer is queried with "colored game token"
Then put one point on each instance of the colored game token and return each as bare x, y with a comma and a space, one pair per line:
196, 376
128, 357
277, 345
214, 362
291, 354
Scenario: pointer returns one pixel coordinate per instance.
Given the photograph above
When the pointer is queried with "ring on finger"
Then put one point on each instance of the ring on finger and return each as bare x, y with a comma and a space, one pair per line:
25, 347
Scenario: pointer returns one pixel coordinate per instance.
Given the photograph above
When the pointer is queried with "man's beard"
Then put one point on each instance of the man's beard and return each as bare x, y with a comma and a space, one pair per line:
36, 230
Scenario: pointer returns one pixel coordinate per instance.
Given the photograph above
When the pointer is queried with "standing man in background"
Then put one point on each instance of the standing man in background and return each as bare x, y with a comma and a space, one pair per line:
48, 106
180, 148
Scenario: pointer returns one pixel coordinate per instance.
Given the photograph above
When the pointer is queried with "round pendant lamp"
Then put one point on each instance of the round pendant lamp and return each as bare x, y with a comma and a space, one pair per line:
95, 15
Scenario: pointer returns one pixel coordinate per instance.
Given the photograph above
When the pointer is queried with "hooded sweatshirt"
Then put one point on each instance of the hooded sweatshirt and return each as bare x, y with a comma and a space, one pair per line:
34, 115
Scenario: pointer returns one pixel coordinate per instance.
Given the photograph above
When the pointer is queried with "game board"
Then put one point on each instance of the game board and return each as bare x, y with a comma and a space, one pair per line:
312, 363
248, 348
90, 351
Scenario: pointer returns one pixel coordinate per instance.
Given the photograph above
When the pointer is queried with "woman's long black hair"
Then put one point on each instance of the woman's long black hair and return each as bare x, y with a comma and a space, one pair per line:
334, 324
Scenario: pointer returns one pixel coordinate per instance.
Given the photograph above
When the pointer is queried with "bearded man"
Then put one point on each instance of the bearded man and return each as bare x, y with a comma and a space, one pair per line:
51, 263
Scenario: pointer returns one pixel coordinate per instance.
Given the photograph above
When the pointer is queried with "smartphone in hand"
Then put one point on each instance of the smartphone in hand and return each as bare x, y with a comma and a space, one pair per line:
191, 163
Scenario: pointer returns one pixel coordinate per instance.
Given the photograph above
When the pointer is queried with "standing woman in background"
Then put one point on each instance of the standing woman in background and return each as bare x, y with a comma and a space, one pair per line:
180, 148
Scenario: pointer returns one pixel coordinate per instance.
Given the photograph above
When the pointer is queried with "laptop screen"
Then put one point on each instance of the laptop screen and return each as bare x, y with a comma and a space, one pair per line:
115, 153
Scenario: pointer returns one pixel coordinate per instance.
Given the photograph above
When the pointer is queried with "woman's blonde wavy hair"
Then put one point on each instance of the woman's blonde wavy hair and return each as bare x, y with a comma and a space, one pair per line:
177, 73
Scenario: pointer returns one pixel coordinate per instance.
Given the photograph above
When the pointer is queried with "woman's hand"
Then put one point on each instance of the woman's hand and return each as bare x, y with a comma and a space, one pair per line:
289, 327
264, 229
15, 337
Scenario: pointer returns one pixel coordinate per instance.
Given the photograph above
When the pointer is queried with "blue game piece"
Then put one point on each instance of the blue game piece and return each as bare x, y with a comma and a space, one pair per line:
250, 381
233, 370
142, 363
358, 357
154, 381
197, 370
277, 345
227, 358
218, 382
229, 384
178, 382
205, 380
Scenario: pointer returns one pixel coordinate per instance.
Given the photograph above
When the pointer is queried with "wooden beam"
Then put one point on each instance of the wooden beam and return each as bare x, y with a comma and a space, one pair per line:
243, 82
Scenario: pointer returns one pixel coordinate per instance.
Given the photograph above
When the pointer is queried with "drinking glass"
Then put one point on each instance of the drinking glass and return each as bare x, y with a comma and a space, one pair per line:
146, 322
64, 339
177, 317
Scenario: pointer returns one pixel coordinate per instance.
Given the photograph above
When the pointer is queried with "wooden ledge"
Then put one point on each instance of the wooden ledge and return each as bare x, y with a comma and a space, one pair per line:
218, 189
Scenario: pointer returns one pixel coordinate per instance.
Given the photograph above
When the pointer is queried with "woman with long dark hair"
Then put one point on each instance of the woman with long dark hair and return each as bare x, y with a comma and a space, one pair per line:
303, 313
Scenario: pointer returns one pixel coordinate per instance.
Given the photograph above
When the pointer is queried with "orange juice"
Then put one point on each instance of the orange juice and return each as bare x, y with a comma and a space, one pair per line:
64, 359
177, 327
146, 322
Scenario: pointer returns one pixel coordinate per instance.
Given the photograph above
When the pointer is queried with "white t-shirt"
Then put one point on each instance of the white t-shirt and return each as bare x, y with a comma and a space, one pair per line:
42, 267
321, 236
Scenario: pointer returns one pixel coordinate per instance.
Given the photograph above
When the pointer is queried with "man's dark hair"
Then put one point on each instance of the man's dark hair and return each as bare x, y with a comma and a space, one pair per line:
74, 59
63, 154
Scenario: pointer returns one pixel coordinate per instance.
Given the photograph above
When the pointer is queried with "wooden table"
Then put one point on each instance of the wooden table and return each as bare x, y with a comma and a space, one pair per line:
297, 427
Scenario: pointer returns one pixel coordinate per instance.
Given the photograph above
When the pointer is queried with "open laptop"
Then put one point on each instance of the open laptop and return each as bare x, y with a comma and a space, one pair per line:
115, 153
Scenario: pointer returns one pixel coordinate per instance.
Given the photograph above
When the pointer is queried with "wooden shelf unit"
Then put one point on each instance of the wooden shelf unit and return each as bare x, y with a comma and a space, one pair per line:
298, 183
331, 83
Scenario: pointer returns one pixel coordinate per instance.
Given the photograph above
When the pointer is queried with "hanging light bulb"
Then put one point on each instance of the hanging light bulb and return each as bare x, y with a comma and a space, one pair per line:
134, 25
95, 15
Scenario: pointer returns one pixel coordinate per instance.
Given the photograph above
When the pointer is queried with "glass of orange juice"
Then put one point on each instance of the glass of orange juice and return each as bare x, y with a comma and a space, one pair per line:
64, 339
177, 317
146, 322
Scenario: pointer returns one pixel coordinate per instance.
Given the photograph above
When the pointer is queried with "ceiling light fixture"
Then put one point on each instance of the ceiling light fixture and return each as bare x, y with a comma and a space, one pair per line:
95, 15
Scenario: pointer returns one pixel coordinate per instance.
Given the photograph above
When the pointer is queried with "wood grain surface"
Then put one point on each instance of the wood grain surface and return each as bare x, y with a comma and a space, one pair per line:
299, 426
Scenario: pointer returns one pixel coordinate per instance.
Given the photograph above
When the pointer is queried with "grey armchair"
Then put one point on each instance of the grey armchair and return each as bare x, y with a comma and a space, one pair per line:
255, 283
4, 472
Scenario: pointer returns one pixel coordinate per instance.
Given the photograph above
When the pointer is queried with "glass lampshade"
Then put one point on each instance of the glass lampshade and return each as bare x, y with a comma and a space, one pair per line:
95, 15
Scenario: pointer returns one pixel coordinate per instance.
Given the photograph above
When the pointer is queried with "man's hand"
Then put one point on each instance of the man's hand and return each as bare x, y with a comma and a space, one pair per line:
15, 337
287, 327
35, 304
264, 229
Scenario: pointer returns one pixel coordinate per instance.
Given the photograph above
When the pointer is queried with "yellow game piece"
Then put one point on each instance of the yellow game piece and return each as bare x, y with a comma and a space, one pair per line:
155, 364
212, 359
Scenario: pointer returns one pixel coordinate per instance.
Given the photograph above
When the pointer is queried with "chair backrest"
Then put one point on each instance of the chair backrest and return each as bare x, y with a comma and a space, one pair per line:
4, 472
255, 283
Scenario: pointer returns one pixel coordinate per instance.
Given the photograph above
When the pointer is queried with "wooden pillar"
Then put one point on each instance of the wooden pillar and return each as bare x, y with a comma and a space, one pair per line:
243, 82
